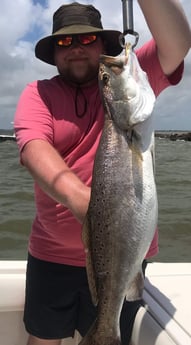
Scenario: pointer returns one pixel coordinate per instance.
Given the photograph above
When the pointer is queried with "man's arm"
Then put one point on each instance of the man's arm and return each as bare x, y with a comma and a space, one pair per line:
170, 30
55, 178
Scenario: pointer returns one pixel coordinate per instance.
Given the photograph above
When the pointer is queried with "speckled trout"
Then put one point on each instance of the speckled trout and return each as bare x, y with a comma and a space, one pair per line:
122, 215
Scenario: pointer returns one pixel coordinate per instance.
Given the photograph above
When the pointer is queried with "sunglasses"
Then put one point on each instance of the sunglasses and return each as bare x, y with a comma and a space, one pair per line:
84, 39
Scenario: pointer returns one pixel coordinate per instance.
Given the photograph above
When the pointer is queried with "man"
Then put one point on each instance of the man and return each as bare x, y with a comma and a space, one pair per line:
58, 124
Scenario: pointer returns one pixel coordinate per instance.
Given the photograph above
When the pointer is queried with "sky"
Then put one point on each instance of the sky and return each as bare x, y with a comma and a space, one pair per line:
24, 22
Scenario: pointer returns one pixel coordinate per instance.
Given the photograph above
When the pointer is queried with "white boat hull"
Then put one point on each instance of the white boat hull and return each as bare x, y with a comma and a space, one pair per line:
165, 320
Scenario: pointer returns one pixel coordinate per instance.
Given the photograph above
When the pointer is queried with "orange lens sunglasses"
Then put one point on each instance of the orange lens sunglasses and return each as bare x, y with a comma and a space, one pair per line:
84, 39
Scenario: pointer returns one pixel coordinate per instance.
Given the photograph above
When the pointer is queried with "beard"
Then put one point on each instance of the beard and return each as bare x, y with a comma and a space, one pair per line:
79, 72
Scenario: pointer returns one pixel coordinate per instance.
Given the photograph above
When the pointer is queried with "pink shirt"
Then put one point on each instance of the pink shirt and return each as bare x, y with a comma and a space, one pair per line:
46, 110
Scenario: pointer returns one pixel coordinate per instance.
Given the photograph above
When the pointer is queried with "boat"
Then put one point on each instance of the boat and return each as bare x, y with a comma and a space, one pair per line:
163, 320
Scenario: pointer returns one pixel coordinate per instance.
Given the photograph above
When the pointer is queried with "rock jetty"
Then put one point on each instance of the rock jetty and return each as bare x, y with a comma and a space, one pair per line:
174, 135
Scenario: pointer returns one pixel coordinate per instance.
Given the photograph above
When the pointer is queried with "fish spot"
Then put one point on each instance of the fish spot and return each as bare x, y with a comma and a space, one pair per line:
105, 301
95, 250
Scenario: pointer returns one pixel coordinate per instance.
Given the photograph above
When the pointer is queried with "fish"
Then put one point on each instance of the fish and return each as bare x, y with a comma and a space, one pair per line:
122, 215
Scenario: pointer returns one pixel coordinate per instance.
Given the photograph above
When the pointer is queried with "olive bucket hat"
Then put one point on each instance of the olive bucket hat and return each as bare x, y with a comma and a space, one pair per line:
76, 18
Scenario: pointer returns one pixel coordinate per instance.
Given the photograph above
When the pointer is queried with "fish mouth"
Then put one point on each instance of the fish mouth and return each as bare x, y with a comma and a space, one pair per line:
107, 63
116, 64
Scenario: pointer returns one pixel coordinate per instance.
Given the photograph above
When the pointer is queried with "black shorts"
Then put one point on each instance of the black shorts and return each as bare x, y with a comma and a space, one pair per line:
58, 302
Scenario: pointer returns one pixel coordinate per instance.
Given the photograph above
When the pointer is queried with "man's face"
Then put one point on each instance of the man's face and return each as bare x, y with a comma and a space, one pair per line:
79, 63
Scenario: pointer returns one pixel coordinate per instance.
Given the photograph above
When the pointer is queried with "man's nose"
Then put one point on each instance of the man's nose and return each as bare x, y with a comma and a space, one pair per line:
76, 43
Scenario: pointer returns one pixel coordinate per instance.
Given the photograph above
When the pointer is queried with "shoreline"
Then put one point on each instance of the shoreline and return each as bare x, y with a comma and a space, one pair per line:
174, 135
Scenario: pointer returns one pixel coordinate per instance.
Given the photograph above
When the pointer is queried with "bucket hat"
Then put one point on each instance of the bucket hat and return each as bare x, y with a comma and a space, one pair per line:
76, 18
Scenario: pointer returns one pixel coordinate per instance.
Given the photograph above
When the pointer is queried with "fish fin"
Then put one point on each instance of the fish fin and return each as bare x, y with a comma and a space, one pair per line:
89, 262
135, 289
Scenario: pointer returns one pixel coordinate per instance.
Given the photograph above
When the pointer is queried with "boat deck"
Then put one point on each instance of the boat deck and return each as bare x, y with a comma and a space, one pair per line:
165, 319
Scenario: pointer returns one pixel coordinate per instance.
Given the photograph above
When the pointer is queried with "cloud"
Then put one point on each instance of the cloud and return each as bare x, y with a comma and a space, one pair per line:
23, 22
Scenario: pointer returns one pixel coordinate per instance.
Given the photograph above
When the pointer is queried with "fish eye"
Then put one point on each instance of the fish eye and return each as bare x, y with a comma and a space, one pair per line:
105, 78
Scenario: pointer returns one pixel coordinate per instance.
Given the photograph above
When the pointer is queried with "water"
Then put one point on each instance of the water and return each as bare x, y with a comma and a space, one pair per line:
173, 162
16, 203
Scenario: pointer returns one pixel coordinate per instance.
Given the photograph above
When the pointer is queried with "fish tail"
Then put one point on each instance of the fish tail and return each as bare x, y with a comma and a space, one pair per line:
96, 337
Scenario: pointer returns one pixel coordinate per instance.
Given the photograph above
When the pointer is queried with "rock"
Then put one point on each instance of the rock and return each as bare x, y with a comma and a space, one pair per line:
172, 135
